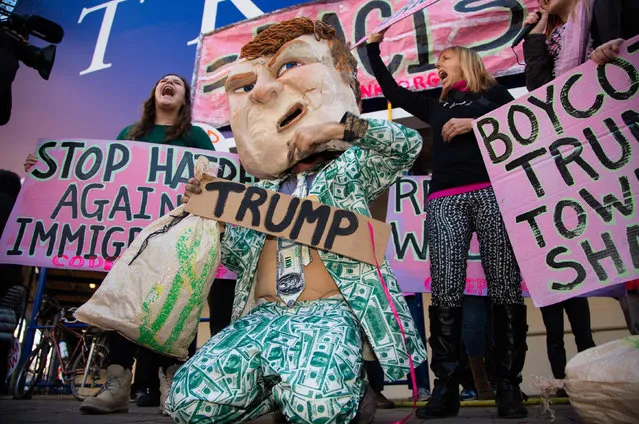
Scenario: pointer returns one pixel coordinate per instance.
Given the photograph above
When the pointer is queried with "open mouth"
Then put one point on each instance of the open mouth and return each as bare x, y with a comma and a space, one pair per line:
292, 117
168, 90
442, 75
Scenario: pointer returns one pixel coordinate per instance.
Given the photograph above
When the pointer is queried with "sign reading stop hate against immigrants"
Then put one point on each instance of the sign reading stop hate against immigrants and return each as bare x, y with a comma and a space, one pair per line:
85, 200
564, 163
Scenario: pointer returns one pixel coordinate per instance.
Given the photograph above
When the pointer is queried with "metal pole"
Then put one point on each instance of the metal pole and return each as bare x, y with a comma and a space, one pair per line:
33, 323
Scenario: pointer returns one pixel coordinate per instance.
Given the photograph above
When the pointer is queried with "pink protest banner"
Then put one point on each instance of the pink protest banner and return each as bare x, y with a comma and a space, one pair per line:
562, 165
411, 46
86, 200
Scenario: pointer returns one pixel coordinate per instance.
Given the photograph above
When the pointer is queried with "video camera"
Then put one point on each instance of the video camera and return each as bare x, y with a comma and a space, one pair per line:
14, 47
14, 33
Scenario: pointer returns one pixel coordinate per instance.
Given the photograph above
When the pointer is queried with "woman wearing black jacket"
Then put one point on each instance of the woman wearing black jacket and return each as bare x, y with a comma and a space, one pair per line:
461, 201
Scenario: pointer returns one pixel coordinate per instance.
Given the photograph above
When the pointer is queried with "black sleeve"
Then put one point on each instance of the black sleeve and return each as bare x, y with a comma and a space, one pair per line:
613, 19
414, 103
500, 95
539, 63
606, 21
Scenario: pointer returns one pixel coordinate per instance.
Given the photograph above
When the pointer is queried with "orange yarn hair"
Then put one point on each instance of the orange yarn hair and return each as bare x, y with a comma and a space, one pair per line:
269, 41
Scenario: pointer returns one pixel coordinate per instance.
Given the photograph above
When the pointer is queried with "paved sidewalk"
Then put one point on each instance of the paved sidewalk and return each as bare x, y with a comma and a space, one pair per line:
64, 410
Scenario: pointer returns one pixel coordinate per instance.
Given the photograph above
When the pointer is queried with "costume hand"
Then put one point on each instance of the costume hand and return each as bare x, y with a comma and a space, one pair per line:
455, 127
532, 18
192, 187
607, 51
30, 161
377, 37
305, 139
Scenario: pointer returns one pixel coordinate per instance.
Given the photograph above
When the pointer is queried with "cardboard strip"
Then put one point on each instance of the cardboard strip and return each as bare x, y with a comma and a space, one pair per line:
305, 221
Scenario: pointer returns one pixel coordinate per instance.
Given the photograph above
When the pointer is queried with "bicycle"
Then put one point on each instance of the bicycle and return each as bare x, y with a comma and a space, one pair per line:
84, 369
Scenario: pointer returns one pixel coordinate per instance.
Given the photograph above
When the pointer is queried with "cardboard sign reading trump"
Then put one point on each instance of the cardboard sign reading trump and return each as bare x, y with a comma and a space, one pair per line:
564, 163
300, 220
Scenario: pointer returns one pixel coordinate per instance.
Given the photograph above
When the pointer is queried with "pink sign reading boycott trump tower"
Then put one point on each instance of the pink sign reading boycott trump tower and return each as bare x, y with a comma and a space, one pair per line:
564, 163
411, 46
86, 200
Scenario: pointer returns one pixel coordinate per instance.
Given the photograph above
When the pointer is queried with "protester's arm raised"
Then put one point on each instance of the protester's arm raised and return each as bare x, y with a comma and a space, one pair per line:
417, 104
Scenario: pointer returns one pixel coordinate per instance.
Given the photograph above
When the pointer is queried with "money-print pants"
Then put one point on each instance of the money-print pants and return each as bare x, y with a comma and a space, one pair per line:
306, 360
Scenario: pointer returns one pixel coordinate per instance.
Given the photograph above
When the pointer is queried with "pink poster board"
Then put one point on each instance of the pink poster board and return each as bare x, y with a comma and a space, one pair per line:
86, 200
564, 163
411, 45
408, 247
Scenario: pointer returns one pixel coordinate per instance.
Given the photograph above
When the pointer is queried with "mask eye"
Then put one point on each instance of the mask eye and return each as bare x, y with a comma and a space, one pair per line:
244, 89
285, 67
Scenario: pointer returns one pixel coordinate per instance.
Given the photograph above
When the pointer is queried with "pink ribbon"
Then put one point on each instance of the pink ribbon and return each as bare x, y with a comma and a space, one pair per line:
401, 328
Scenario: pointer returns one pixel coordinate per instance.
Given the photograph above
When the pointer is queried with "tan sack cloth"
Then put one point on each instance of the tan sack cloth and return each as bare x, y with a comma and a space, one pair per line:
155, 291
603, 382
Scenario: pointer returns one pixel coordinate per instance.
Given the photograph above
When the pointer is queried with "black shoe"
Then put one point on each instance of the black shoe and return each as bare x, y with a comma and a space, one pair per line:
366, 408
443, 403
148, 399
445, 342
510, 401
510, 339
279, 417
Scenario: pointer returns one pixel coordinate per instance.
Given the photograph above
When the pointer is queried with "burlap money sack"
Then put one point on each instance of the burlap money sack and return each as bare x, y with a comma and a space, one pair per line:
155, 291
603, 383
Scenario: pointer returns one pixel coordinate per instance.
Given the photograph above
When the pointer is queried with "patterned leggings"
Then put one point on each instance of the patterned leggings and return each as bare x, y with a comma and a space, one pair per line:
451, 221
305, 359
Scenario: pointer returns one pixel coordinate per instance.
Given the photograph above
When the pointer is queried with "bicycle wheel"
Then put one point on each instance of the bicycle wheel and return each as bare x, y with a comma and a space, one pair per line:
87, 381
30, 373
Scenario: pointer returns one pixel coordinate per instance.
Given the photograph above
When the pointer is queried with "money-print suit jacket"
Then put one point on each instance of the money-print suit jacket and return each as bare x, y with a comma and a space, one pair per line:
350, 182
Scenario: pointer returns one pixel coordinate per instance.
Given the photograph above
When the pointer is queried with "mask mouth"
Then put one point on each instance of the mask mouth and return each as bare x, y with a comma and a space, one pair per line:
292, 117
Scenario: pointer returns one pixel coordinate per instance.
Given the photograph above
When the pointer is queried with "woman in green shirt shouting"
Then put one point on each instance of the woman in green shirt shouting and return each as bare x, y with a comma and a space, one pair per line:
166, 119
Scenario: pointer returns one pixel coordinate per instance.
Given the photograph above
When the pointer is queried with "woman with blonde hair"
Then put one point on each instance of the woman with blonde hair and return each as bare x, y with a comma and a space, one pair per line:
461, 201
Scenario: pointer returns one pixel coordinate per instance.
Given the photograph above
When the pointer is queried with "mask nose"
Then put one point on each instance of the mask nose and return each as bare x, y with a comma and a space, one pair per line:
266, 89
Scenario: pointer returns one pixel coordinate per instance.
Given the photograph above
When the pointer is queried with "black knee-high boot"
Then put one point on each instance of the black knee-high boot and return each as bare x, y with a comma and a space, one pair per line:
510, 339
445, 342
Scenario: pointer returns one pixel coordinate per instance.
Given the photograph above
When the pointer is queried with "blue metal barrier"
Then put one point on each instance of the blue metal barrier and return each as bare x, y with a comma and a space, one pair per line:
33, 323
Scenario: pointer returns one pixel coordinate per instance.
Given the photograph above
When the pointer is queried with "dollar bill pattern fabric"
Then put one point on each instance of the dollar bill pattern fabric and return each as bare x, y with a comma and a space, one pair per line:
305, 359
350, 182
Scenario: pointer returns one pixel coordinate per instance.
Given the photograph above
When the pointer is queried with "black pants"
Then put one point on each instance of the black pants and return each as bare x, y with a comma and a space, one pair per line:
375, 374
451, 222
578, 313
123, 352
220, 301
